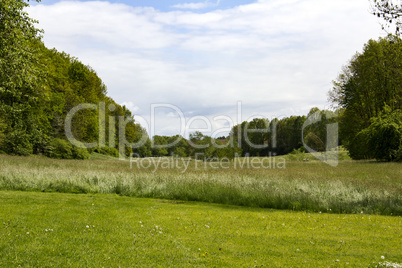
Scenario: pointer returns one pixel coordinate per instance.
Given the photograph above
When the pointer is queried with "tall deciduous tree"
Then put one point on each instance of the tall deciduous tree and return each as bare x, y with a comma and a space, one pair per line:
19, 78
371, 81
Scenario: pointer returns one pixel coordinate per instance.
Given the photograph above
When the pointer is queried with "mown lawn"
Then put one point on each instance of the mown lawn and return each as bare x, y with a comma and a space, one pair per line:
99, 230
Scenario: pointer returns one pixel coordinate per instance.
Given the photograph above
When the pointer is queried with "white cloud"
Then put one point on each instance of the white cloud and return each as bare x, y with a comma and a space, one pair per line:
200, 5
131, 106
277, 57
192, 5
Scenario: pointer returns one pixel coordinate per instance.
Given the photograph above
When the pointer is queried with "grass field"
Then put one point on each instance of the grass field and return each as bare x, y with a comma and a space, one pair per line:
86, 230
59, 213
352, 187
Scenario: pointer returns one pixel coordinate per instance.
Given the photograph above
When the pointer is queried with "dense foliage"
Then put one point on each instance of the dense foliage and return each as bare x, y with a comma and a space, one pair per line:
20, 74
384, 136
39, 86
367, 87
261, 137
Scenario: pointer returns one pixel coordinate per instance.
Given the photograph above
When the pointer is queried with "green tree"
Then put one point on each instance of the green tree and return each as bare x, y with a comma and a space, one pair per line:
159, 146
20, 79
316, 134
288, 134
257, 136
371, 81
144, 150
178, 146
384, 136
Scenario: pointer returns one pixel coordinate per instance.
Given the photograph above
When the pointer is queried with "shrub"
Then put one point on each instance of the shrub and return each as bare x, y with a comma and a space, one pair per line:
107, 151
18, 143
62, 149
80, 153
359, 147
385, 136
59, 148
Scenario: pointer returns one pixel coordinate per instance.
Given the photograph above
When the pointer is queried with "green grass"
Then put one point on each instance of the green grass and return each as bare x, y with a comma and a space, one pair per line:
352, 187
60, 230
102, 157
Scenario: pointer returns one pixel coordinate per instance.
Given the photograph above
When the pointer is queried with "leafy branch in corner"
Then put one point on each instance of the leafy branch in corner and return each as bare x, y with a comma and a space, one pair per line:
390, 12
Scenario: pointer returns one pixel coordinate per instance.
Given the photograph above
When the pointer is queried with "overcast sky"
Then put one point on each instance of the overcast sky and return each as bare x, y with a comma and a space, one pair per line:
276, 57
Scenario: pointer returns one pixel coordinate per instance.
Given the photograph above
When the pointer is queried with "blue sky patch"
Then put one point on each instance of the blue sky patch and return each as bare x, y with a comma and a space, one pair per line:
171, 5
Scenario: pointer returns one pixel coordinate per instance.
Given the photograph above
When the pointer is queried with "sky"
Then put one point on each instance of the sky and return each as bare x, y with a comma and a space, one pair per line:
187, 65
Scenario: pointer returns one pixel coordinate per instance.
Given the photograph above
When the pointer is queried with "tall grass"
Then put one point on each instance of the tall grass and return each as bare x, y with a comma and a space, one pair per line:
352, 187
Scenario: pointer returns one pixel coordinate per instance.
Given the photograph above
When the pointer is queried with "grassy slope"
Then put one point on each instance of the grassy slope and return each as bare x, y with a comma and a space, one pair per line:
53, 229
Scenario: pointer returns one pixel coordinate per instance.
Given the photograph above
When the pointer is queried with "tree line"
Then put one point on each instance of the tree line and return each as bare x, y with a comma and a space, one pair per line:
258, 137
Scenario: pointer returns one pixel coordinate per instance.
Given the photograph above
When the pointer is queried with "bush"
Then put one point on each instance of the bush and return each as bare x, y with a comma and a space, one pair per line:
359, 147
398, 155
58, 148
297, 154
62, 149
80, 153
385, 136
18, 143
107, 151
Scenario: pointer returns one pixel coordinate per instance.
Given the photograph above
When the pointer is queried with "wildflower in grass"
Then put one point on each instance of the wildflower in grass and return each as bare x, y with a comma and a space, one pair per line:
390, 264
87, 226
382, 257
28, 233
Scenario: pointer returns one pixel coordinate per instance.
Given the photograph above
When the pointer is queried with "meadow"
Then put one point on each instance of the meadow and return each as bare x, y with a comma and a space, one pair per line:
279, 183
258, 212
